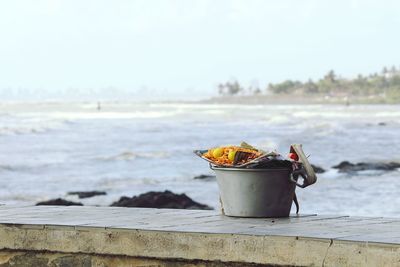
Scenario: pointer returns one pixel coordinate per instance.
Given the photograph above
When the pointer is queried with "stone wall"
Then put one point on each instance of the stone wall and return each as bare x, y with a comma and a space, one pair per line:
47, 259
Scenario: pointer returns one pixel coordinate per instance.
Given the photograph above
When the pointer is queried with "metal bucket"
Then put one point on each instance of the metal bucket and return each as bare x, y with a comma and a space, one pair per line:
255, 192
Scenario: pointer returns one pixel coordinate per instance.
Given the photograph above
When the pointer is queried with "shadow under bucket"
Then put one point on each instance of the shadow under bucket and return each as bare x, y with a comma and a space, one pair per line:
255, 192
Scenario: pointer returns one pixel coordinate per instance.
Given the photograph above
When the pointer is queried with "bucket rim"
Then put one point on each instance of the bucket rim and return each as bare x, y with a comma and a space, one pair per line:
248, 170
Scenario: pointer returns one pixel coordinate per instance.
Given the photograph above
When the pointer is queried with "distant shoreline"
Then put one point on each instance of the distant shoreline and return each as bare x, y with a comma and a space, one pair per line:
296, 99
279, 99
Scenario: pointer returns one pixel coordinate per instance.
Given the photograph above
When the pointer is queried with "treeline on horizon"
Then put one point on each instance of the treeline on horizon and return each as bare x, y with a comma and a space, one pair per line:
385, 84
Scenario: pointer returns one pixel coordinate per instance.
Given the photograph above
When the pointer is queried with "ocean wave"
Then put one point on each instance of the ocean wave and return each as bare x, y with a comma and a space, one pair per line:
113, 183
319, 128
6, 168
20, 197
23, 168
129, 155
21, 130
113, 115
278, 119
32, 125
4, 115
331, 174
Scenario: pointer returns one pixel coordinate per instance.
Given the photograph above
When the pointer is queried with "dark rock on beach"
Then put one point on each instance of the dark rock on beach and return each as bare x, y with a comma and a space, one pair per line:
318, 169
204, 177
346, 166
161, 200
58, 202
87, 194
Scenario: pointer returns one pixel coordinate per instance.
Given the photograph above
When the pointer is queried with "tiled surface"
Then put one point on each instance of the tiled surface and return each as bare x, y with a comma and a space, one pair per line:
364, 229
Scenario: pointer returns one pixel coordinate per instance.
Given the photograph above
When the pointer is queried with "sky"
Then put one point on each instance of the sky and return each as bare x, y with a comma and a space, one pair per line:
181, 48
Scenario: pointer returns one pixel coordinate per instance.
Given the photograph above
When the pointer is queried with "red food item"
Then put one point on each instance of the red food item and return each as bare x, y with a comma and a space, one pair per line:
293, 156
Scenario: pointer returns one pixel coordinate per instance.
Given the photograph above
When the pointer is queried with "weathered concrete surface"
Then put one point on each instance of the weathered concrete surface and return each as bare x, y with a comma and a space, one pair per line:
51, 259
158, 237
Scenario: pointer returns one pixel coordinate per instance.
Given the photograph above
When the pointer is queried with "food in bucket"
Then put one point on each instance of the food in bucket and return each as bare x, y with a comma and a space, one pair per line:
244, 155
231, 155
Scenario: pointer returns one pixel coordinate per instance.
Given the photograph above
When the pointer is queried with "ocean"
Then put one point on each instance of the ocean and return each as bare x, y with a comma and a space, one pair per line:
128, 148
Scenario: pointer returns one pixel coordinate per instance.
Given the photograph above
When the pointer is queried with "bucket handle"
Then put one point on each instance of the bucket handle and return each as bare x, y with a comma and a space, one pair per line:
294, 177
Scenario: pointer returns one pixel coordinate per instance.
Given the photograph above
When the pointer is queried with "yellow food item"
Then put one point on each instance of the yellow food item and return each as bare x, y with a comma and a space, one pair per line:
226, 155
218, 152
231, 155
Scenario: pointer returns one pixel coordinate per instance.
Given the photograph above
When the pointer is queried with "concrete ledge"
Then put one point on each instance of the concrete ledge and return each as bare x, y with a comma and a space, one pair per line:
139, 235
